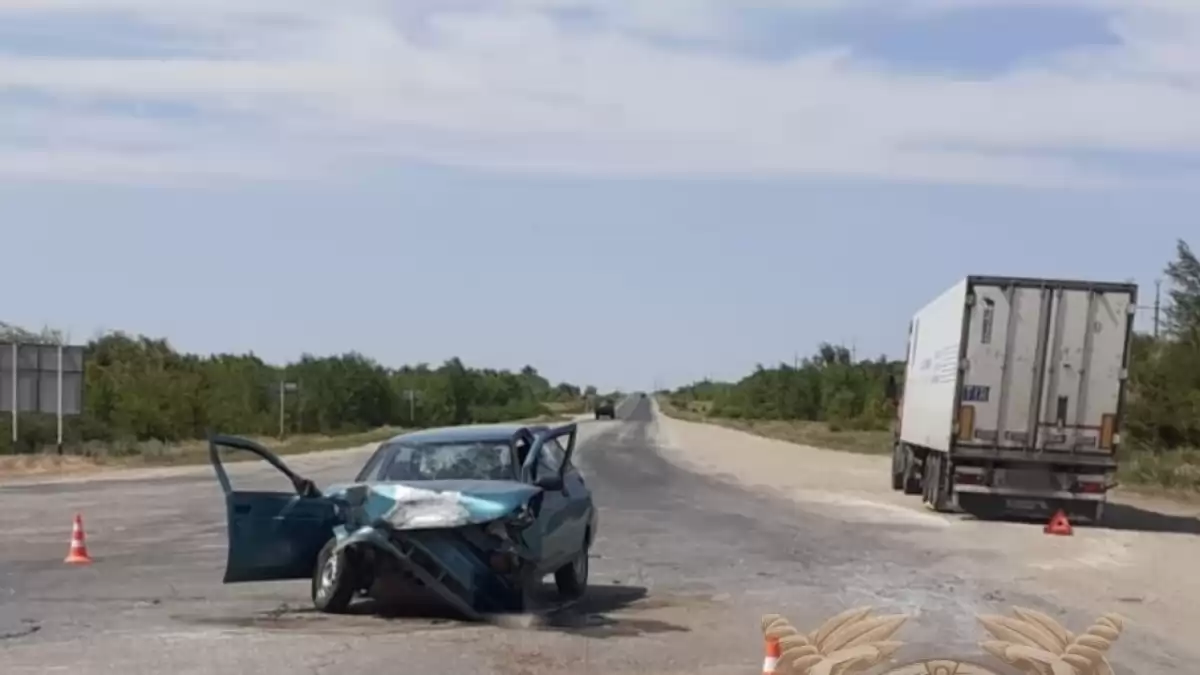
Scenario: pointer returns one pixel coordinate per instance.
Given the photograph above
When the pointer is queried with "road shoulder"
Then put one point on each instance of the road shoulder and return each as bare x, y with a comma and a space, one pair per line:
776, 463
302, 461
1140, 567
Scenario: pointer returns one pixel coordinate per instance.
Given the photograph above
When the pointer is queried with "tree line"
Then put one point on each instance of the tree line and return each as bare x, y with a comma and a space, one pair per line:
137, 388
1162, 402
829, 386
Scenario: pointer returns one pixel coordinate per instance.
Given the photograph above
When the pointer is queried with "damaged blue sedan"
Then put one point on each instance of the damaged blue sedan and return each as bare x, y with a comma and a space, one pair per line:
473, 515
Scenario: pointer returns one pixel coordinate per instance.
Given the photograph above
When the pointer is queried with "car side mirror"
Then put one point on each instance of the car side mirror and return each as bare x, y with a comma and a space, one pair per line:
306, 488
550, 483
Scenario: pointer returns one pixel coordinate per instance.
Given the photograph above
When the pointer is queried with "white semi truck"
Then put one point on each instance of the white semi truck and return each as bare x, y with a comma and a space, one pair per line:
1013, 395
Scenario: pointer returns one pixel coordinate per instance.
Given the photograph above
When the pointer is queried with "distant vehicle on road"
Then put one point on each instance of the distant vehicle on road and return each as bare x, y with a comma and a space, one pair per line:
605, 407
474, 516
1013, 395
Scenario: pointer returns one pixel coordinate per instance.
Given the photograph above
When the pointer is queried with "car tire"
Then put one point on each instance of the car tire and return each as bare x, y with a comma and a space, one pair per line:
332, 581
572, 578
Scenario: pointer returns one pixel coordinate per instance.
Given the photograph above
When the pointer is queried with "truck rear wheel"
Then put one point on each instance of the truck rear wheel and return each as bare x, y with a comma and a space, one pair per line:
936, 482
912, 482
897, 468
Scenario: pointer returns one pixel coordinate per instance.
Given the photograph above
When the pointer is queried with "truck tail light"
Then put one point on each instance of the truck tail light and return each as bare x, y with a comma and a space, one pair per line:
966, 422
1108, 427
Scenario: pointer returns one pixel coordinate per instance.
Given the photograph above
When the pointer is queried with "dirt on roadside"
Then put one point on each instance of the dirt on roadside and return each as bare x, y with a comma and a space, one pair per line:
187, 453
1140, 563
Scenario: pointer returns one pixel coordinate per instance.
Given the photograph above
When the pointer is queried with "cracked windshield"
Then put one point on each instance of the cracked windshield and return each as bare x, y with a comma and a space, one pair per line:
642, 337
451, 461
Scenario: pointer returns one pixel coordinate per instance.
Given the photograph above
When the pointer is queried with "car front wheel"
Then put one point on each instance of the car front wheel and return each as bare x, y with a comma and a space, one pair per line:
332, 581
572, 578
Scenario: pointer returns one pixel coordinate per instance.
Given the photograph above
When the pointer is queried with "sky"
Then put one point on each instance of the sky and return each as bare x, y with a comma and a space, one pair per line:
626, 194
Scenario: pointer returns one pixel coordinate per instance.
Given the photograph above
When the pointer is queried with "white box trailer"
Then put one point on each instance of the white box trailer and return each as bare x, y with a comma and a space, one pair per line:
1013, 394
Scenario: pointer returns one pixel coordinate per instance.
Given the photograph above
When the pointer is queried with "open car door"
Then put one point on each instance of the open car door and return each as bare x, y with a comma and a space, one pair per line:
272, 535
545, 467
564, 437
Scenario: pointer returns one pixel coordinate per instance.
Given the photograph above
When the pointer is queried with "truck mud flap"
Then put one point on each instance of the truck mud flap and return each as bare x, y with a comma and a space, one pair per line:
434, 574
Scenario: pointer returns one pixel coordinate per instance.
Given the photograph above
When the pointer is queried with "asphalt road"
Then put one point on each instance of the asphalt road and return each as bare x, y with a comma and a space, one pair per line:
683, 569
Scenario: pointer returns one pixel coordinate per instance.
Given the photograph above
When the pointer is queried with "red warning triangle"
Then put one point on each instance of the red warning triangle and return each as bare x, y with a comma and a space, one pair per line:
1059, 525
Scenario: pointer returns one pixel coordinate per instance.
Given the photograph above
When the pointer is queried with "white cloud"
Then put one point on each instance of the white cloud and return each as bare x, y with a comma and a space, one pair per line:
499, 83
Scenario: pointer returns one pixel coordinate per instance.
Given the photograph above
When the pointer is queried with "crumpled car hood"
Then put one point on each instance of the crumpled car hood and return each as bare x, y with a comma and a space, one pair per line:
432, 504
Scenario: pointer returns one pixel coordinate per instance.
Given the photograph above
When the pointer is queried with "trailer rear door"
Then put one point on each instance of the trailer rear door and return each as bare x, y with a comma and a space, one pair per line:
1045, 365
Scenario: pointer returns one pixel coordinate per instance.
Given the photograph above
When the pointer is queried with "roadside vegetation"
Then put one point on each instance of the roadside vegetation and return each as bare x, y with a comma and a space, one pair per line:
825, 401
145, 403
832, 401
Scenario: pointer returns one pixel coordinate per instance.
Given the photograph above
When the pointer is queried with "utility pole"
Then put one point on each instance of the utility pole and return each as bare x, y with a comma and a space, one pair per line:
59, 445
1157, 304
1156, 307
16, 373
284, 387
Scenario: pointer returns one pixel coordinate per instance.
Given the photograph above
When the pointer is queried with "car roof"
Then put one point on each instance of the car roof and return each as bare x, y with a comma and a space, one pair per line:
466, 433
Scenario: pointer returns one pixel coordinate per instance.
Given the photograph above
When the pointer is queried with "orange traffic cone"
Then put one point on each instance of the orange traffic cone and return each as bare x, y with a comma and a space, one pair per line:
771, 660
1059, 525
78, 555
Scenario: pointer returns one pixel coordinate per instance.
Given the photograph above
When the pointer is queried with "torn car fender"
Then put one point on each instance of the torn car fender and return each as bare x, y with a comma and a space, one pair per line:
364, 535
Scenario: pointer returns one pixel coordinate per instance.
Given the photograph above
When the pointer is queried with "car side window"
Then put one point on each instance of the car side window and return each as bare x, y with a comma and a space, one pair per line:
551, 458
373, 464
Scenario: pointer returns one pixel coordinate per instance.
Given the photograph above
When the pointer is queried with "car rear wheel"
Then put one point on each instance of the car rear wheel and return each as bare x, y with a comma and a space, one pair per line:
572, 578
332, 581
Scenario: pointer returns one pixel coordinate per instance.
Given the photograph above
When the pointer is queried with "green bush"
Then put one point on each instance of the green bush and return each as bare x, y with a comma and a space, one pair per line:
825, 388
139, 390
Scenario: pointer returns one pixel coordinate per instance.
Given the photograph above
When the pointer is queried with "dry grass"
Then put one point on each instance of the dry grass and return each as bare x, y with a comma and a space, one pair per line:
1172, 473
33, 465
696, 411
1175, 472
815, 434
819, 435
96, 456
567, 407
